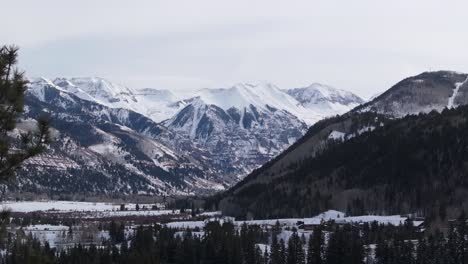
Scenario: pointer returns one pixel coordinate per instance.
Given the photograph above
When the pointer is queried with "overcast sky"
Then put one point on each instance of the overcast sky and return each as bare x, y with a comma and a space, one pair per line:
361, 46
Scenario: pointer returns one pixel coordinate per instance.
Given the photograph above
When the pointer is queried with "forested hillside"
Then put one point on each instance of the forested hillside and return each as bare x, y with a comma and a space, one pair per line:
415, 164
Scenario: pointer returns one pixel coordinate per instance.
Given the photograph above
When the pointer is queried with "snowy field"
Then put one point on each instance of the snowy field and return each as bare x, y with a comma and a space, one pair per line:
186, 224
86, 209
65, 206
338, 217
101, 214
112, 209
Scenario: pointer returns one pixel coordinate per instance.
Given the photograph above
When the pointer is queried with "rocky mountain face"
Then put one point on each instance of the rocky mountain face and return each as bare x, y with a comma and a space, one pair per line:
419, 94
109, 138
241, 138
238, 126
97, 149
247, 125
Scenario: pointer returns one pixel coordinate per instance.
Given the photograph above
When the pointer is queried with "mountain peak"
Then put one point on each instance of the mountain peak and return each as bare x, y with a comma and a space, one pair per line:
98, 85
40, 81
153, 103
38, 87
243, 95
320, 91
422, 93
62, 82
325, 99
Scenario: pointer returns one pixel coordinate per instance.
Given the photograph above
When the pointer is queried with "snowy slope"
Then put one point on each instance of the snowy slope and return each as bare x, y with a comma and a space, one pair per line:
422, 93
231, 130
325, 100
309, 104
451, 100
118, 149
243, 95
153, 103
243, 126
98, 90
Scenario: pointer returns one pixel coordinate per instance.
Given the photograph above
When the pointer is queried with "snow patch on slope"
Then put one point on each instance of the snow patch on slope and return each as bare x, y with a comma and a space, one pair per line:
337, 135
455, 92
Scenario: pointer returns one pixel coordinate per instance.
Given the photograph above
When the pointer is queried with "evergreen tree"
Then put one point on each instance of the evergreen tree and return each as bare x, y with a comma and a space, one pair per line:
283, 252
295, 250
258, 256
266, 256
345, 246
12, 90
275, 254
315, 247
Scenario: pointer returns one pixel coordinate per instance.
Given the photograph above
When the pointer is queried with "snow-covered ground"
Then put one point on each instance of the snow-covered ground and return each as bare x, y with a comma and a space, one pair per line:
110, 209
32, 206
92, 210
133, 213
215, 213
337, 216
451, 100
186, 224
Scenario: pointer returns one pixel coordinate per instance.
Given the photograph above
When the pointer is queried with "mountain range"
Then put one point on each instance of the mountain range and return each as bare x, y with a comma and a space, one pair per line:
110, 139
402, 152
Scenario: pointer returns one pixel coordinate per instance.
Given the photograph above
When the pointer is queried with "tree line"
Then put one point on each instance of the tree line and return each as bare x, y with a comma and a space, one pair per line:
224, 243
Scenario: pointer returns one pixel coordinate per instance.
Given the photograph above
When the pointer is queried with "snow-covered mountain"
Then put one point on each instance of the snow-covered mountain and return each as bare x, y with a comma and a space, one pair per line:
422, 93
325, 99
98, 149
206, 141
309, 104
242, 95
380, 130
249, 124
153, 103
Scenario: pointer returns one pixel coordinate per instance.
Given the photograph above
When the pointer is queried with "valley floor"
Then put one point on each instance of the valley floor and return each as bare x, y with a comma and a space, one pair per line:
56, 221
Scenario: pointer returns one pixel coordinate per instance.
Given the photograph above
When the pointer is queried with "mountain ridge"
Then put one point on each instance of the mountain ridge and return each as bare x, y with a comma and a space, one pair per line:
407, 95
212, 138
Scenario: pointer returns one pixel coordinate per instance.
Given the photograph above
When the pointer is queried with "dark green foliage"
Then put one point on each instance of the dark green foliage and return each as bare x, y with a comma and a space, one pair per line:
395, 251
315, 247
296, 253
223, 244
117, 232
345, 246
30, 252
276, 256
16, 149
